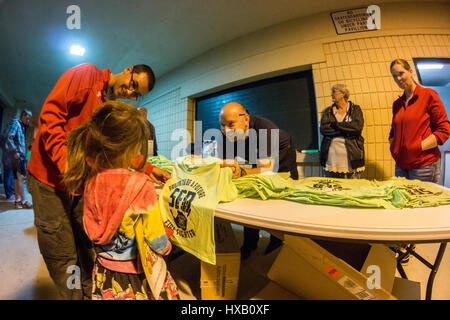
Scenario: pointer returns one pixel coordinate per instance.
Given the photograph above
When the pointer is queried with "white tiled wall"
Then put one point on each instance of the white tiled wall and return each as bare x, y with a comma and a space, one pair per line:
168, 113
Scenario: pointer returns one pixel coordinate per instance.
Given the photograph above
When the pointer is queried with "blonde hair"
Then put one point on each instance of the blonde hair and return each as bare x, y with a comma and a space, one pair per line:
111, 139
401, 62
404, 64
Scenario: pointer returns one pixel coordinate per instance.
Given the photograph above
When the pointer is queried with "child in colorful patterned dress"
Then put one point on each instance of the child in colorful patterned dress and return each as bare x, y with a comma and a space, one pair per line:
121, 212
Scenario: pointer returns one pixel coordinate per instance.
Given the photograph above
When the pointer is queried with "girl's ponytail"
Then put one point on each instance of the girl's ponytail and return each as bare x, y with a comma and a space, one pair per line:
113, 137
77, 169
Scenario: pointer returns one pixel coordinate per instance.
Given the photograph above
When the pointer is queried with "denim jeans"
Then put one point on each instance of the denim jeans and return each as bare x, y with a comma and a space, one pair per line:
428, 173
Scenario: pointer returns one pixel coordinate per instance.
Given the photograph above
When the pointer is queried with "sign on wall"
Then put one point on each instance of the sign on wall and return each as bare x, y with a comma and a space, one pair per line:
357, 20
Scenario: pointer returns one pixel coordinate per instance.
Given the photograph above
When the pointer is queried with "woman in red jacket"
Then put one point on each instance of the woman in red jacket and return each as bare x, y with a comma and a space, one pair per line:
419, 125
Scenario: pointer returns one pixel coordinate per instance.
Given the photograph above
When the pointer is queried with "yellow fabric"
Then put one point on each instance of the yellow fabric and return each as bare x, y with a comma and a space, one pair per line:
146, 228
189, 199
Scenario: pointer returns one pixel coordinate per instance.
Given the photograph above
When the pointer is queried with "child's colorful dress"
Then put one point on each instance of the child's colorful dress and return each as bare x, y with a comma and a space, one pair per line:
122, 218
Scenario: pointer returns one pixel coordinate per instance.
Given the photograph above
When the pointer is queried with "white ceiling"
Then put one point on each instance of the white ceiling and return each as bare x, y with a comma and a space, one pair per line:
164, 34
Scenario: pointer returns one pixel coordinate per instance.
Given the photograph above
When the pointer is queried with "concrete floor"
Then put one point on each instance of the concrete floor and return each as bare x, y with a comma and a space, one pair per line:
24, 275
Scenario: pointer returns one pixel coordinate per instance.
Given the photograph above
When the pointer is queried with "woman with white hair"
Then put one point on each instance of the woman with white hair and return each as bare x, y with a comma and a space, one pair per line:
342, 148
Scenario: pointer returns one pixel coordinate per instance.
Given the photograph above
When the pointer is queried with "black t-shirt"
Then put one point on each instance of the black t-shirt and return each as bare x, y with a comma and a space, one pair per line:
265, 140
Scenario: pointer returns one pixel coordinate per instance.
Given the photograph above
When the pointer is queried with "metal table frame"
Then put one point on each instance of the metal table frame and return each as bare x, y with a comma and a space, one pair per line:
434, 267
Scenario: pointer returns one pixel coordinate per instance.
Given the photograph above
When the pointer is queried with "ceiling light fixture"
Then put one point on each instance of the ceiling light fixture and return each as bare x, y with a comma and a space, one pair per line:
427, 66
77, 50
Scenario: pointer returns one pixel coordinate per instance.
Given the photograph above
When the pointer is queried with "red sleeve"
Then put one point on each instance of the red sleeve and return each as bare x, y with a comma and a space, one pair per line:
439, 119
136, 162
53, 118
149, 168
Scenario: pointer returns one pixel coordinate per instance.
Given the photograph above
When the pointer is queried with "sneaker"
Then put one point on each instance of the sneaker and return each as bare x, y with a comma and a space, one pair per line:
26, 205
405, 259
12, 197
23, 205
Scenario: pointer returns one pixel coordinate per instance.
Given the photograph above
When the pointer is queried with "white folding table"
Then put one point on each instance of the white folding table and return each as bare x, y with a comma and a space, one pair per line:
421, 225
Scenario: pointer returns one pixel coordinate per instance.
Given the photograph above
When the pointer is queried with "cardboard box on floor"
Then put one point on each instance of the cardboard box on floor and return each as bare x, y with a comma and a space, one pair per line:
309, 271
272, 291
405, 289
220, 281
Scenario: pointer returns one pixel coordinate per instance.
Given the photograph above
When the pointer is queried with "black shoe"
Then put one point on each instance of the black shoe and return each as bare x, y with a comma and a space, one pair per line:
405, 253
274, 244
246, 251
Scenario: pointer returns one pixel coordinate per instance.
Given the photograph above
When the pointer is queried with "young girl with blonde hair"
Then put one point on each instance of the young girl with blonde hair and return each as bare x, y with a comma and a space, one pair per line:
121, 213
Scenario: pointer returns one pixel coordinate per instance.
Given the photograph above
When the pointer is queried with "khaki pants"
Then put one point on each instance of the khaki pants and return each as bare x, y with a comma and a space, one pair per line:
64, 245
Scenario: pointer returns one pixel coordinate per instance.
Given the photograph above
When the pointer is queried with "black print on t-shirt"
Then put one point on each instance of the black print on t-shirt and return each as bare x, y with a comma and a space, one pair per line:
416, 190
181, 204
180, 208
328, 185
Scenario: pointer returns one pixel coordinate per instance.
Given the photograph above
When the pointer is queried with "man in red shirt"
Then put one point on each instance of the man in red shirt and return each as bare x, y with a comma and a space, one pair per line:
58, 215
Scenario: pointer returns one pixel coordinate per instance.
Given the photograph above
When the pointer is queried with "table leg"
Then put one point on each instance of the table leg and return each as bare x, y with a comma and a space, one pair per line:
434, 270
434, 267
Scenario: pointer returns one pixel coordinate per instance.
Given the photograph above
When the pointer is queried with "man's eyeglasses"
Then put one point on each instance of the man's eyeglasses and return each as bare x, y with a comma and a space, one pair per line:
232, 122
134, 86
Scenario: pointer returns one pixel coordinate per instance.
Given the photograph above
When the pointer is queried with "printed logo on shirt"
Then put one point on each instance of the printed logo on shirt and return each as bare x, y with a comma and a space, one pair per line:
328, 185
415, 190
180, 205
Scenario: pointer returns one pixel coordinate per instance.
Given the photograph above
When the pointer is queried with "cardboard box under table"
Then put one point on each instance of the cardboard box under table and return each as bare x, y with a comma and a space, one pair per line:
220, 281
272, 291
306, 269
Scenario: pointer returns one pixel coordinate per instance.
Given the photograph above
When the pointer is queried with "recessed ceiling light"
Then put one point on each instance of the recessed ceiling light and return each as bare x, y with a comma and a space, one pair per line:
425, 66
77, 50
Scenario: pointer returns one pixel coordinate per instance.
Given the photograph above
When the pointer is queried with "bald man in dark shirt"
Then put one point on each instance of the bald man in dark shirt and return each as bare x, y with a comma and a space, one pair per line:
259, 139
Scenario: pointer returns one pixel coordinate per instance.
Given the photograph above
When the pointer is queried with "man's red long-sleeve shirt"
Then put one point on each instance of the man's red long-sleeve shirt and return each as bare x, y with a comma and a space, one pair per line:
424, 115
71, 103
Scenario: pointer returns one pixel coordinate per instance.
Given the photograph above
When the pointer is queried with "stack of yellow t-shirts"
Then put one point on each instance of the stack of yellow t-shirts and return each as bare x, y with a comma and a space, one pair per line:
395, 193
162, 163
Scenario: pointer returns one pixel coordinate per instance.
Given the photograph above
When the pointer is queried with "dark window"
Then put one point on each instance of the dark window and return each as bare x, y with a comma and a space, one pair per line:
288, 101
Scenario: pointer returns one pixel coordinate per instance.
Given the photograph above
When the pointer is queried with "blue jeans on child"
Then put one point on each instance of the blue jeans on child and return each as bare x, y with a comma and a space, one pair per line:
428, 173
